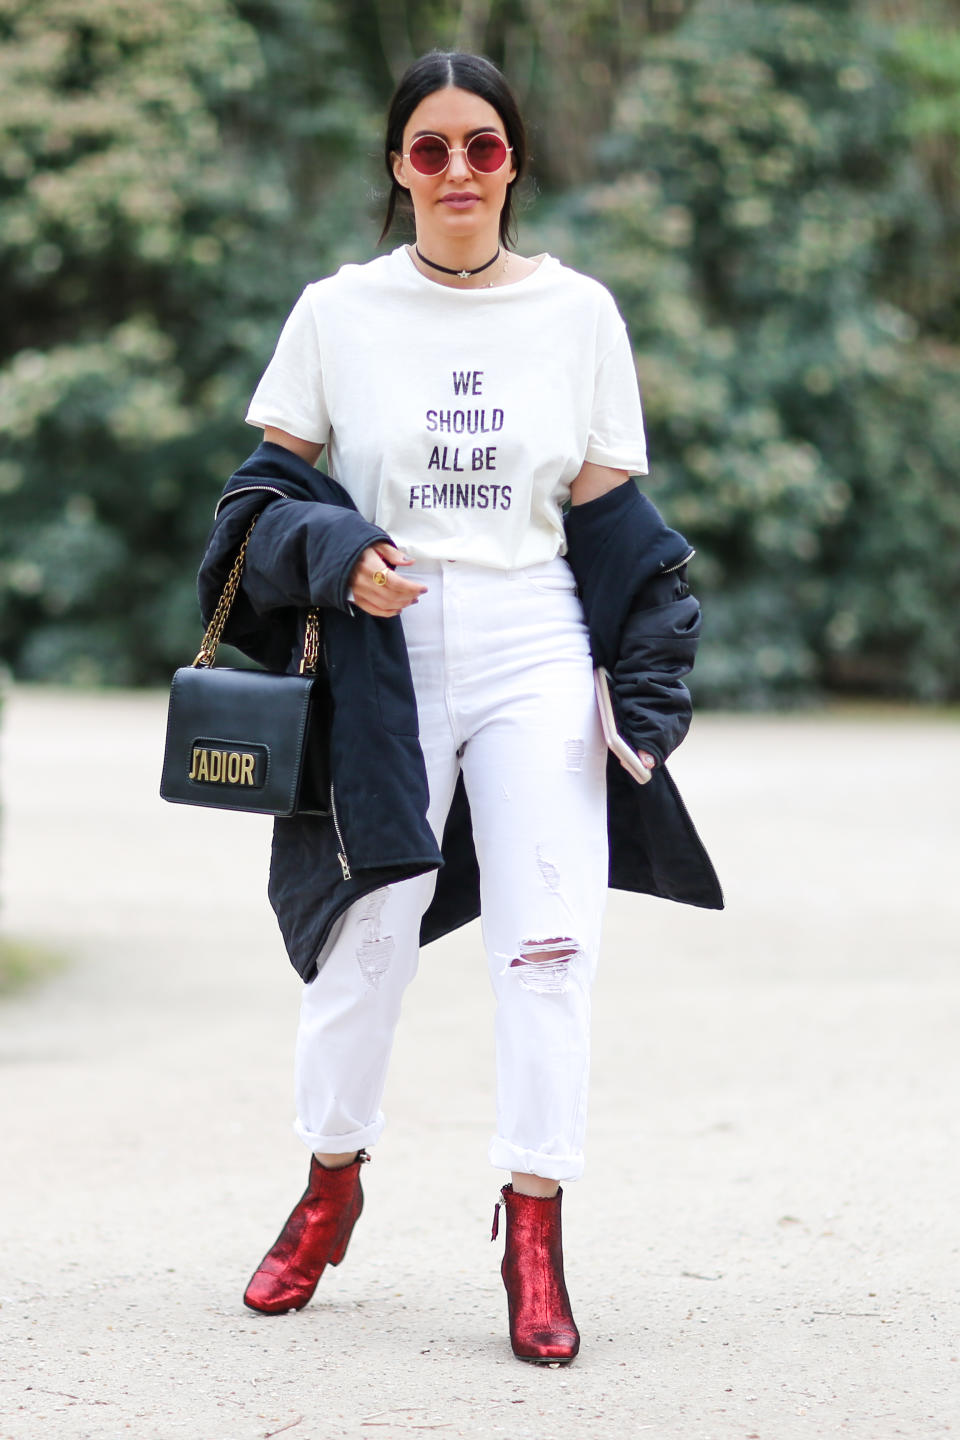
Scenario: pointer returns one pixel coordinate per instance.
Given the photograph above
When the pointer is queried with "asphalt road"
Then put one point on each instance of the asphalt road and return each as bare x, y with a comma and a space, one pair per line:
765, 1245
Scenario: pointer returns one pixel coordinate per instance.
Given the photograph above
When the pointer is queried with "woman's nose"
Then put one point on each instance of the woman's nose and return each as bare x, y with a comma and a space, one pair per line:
458, 168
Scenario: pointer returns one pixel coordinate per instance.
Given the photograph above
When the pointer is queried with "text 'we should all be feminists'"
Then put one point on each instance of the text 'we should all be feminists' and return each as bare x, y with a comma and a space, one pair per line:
458, 457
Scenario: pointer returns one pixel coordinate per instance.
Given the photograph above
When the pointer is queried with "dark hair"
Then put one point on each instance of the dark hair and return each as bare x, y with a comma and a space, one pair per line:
436, 71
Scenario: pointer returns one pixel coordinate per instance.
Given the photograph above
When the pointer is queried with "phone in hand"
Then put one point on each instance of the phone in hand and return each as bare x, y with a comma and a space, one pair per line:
627, 756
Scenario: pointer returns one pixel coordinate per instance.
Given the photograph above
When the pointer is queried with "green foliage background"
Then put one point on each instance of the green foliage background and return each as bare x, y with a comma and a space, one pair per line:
769, 189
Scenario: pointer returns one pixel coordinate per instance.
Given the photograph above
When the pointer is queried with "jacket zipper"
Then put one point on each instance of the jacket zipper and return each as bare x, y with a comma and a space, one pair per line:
680, 564
342, 852
249, 490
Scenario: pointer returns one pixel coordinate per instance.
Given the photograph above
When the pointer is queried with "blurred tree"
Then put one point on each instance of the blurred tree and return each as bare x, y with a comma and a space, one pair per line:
169, 177
776, 210
759, 193
926, 56
564, 58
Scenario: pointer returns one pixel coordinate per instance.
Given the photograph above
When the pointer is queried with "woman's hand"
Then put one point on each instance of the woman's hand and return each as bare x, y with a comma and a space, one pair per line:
376, 587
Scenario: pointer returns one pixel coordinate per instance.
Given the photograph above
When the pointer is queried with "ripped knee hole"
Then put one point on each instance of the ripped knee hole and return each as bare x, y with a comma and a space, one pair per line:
542, 964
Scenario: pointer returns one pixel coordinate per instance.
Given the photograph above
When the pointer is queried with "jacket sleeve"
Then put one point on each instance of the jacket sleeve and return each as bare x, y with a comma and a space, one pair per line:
644, 624
658, 644
302, 553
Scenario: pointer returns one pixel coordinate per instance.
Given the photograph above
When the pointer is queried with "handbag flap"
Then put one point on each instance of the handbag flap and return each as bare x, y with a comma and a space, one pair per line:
241, 740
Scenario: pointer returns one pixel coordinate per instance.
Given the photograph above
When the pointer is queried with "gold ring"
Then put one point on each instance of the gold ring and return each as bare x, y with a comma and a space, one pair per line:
379, 577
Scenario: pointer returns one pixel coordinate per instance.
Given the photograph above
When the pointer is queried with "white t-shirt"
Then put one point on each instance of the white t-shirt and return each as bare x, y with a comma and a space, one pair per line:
457, 419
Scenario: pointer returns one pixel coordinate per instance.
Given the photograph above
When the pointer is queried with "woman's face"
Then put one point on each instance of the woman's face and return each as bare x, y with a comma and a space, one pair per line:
459, 203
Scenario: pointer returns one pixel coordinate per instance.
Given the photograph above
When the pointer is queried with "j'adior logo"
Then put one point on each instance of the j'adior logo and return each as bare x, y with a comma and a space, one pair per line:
214, 762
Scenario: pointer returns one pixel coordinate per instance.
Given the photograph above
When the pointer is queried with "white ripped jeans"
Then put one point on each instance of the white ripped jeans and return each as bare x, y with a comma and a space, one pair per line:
504, 684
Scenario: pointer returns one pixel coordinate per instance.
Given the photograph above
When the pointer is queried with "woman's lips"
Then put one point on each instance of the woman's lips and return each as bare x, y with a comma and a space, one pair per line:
460, 202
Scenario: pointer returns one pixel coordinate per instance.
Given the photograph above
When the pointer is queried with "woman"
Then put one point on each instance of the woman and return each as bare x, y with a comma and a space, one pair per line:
464, 394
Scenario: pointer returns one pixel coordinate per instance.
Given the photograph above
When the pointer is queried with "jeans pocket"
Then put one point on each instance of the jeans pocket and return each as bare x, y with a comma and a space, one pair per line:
553, 577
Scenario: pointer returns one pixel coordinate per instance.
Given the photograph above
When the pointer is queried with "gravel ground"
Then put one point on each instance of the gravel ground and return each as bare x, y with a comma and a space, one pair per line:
765, 1245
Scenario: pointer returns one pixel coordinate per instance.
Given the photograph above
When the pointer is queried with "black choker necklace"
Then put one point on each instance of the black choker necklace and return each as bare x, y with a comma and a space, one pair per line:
460, 274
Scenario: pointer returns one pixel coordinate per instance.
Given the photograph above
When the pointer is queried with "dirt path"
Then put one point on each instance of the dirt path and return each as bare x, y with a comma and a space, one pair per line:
766, 1241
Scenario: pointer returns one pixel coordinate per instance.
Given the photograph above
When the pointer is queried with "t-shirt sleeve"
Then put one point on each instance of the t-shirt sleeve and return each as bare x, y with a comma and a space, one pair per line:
616, 423
290, 394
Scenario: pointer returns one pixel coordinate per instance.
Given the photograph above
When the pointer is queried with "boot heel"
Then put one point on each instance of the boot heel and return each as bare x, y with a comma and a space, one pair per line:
337, 1255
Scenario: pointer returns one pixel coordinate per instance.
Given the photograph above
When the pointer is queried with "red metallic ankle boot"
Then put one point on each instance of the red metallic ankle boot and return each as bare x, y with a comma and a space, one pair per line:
542, 1327
315, 1235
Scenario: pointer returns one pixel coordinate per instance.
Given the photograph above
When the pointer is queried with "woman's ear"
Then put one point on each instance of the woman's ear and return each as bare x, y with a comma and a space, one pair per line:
397, 161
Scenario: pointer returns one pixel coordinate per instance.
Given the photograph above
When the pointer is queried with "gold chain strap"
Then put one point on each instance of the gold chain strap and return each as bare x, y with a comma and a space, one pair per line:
311, 644
207, 654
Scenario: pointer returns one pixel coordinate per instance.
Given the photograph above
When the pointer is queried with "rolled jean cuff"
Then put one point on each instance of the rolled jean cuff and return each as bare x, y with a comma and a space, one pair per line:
341, 1144
504, 1156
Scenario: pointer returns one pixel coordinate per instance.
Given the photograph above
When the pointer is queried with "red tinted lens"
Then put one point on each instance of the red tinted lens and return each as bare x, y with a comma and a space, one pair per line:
486, 153
429, 155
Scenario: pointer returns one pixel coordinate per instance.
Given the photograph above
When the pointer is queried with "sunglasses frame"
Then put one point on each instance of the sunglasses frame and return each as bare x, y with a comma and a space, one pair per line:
458, 150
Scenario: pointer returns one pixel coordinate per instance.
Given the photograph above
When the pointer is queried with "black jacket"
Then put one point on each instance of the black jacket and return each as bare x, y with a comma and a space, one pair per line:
643, 625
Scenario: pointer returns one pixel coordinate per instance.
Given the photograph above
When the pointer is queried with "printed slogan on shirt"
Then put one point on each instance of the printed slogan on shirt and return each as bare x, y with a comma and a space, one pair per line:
462, 448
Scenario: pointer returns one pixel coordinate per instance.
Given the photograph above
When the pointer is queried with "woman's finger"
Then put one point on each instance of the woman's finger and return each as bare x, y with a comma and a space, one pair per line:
376, 587
390, 589
392, 555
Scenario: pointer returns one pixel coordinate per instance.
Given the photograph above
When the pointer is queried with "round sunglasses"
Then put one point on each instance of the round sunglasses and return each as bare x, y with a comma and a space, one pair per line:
485, 153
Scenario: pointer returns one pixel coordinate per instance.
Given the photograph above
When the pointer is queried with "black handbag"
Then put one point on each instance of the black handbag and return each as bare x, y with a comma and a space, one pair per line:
248, 739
